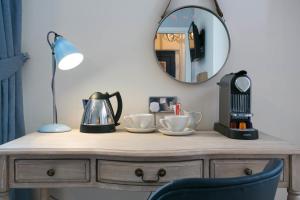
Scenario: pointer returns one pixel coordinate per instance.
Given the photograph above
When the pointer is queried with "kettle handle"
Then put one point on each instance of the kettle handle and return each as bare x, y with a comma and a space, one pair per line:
120, 106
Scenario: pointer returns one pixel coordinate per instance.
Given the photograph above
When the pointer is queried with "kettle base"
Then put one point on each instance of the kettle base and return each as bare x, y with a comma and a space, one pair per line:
97, 128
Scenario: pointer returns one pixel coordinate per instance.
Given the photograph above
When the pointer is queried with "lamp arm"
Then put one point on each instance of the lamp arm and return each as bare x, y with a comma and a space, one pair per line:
48, 38
53, 74
53, 89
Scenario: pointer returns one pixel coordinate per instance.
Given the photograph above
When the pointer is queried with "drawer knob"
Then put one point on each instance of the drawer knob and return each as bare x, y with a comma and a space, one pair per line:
248, 172
51, 172
160, 173
139, 172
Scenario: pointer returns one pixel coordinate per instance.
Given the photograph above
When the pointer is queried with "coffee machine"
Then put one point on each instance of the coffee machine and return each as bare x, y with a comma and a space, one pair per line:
235, 107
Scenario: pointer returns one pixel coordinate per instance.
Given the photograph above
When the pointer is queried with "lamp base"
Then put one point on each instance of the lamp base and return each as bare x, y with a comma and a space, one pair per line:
54, 128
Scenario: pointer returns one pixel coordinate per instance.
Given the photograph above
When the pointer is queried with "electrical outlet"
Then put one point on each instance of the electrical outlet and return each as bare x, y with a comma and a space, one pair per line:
162, 104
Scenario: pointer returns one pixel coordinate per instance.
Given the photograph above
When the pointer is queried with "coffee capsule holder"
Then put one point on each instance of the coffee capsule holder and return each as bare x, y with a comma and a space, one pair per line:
235, 107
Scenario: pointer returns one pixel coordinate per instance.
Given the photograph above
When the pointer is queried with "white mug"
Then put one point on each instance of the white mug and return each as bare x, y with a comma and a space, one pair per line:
174, 123
142, 121
195, 119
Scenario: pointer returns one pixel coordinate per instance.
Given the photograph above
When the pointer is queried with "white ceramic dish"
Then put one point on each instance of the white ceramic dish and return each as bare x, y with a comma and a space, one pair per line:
185, 132
139, 121
140, 130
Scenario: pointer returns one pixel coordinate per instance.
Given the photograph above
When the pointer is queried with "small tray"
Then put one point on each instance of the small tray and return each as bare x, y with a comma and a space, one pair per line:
245, 134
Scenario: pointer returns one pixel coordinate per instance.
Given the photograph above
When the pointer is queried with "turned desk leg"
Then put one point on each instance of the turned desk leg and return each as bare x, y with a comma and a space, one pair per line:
3, 178
294, 186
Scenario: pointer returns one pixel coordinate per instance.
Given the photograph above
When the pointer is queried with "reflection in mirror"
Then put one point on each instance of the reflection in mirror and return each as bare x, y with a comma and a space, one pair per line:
192, 44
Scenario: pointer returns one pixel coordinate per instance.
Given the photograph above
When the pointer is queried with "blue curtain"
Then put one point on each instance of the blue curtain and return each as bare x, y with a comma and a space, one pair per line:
11, 61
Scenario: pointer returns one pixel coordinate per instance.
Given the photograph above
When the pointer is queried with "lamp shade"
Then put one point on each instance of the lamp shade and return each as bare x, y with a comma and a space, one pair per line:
66, 54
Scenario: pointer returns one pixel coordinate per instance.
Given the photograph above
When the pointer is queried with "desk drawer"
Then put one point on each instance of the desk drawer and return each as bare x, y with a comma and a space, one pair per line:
147, 173
236, 168
45, 171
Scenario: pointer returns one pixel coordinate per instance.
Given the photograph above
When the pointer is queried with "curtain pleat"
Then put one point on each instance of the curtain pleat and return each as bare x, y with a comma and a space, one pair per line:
20, 129
2, 33
12, 108
1, 111
4, 114
8, 28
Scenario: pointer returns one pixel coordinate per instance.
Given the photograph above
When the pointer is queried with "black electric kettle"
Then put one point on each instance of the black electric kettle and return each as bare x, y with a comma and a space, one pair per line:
98, 115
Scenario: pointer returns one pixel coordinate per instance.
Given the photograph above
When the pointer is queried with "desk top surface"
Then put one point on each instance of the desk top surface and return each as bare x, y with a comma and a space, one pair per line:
151, 144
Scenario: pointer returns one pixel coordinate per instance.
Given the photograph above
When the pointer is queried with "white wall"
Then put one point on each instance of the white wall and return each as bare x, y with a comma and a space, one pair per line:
116, 39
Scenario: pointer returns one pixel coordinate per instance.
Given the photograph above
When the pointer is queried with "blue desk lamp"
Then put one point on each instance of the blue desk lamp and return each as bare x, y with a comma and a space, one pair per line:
64, 56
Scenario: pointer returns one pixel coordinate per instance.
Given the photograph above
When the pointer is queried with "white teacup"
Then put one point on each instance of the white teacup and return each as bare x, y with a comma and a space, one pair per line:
195, 119
141, 121
174, 123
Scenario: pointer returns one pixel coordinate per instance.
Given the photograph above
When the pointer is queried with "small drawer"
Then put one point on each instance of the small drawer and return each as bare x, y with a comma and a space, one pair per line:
147, 173
236, 168
46, 171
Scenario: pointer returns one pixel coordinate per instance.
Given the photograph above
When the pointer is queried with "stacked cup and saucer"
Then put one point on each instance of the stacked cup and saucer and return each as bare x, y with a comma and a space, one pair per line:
180, 125
175, 125
140, 123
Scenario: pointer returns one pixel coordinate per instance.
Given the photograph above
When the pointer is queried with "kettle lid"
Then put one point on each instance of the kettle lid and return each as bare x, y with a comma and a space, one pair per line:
99, 95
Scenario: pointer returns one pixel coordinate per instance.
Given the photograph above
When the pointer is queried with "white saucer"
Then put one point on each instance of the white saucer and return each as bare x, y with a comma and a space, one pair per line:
140, 130
186, 131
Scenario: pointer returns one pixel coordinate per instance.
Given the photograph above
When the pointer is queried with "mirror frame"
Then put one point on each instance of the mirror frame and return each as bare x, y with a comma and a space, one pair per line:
226, 29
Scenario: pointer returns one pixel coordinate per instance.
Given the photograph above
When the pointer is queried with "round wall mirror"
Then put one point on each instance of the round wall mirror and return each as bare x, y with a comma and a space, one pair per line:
192, 44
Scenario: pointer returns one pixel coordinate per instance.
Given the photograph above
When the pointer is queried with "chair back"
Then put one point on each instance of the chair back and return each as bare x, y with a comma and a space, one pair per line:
261, 186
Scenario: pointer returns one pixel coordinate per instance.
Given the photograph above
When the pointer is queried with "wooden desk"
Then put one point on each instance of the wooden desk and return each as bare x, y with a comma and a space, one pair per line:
138, 162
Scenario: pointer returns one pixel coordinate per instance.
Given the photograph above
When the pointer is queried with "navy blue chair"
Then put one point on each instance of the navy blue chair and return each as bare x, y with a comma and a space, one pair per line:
261, 186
